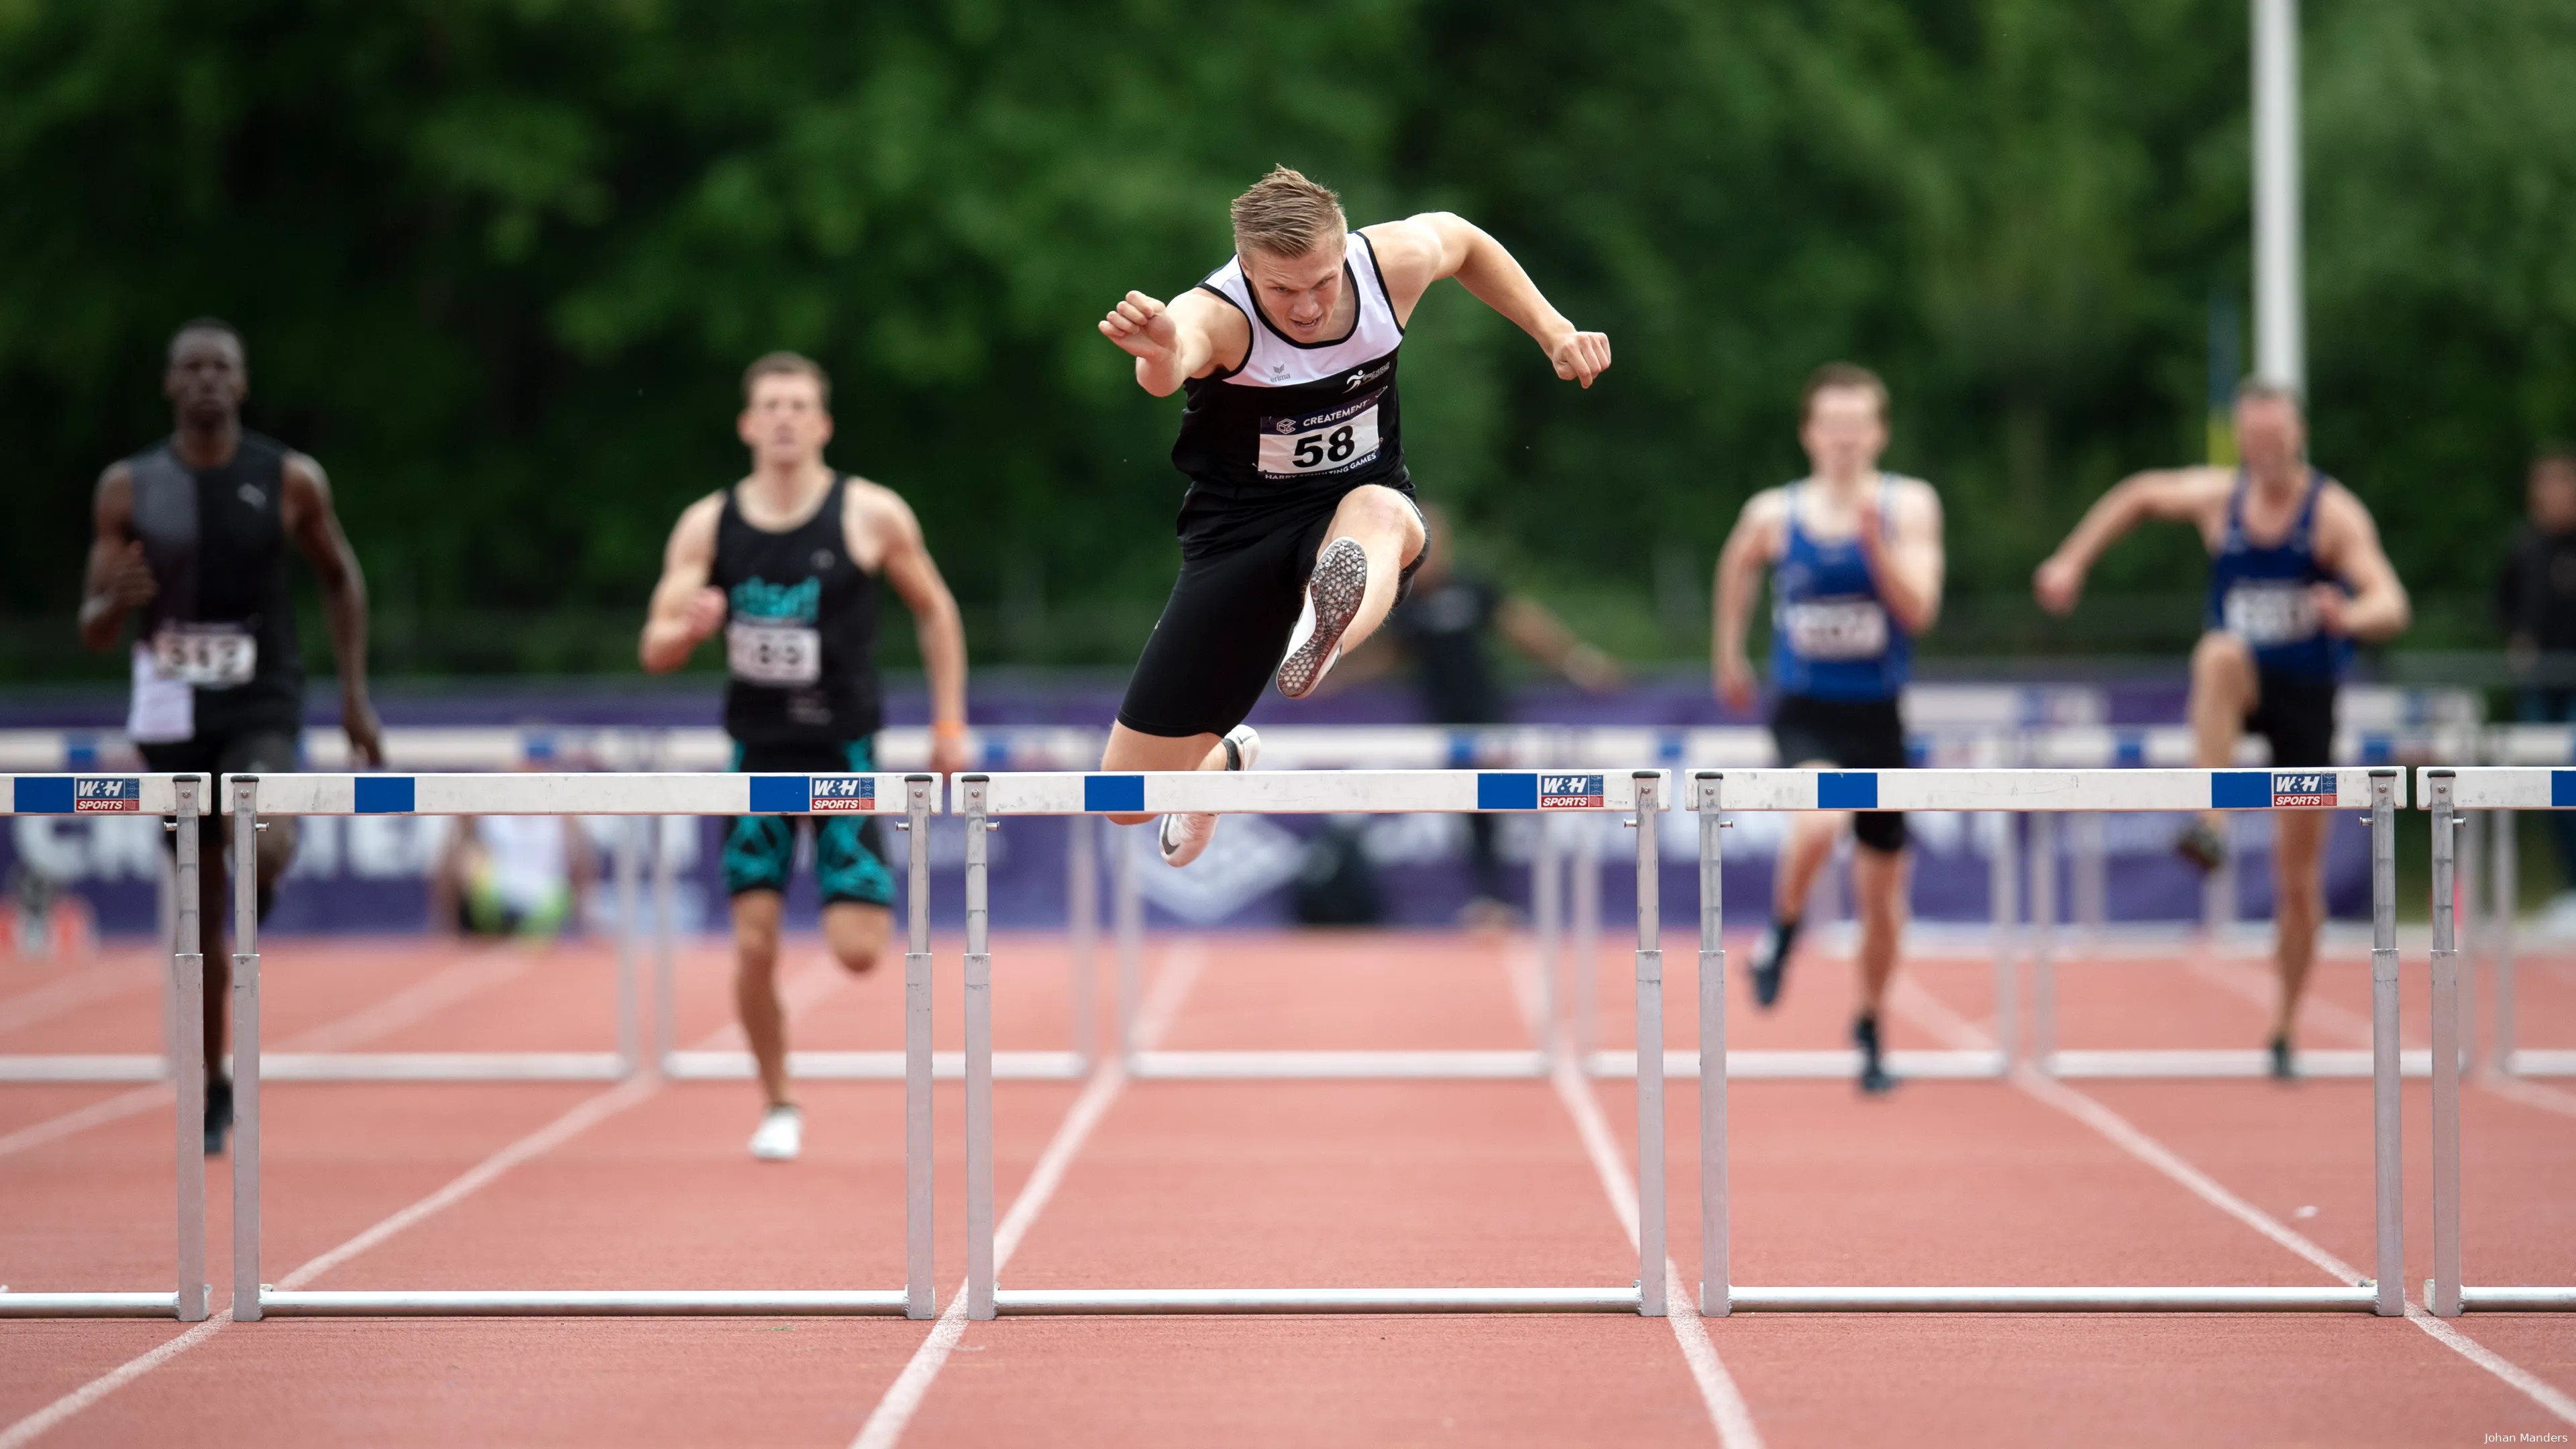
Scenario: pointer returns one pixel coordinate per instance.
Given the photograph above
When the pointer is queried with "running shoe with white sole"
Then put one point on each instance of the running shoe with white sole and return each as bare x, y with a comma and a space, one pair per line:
781, 1135
1333, 593
1183, 837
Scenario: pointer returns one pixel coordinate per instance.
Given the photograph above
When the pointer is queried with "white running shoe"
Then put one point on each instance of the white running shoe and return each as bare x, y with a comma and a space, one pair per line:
1183, 838
781, 1135
1333, 593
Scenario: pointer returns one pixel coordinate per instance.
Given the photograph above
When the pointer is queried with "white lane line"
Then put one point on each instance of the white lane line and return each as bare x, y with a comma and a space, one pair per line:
903, 1398
809, 986
1937, 1017
2529, 1094
441, 989
51, 1000
1727, 1412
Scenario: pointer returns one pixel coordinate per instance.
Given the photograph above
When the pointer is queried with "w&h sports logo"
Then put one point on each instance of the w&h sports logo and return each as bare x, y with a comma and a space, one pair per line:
106, 795
829, 793
2302, 787
1569, 792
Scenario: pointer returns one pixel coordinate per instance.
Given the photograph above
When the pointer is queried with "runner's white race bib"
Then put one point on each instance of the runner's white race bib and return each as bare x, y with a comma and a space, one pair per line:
1324, 442
2268, 614
761, 653
207, 656
1835, 628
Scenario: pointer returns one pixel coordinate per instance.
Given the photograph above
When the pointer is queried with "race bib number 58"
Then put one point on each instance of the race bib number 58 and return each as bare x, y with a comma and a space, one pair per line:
1325, 442
773, 653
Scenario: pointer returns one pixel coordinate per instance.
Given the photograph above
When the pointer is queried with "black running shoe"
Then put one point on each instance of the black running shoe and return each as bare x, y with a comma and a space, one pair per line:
219, 1115
2201, 848
2283, 1069
1874, 1077
1771, 962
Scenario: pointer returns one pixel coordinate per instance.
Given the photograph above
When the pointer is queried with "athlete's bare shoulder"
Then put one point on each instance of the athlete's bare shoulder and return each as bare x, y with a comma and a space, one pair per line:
1414, 253
115, 486
876, 523
694, 536
1768, 506
1914, 501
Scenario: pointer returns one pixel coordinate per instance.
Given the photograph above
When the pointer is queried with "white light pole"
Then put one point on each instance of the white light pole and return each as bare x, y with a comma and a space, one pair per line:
2280, 304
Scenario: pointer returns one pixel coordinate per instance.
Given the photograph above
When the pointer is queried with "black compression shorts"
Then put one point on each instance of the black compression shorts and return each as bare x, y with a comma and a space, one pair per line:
1226, 625
1850, 734
2296, 712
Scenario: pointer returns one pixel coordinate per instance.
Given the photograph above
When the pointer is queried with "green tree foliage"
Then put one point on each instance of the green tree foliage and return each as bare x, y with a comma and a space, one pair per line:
500, 261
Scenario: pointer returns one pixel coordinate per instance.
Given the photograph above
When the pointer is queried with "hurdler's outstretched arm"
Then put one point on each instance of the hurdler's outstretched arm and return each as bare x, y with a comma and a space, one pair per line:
1419, 250
2178, 495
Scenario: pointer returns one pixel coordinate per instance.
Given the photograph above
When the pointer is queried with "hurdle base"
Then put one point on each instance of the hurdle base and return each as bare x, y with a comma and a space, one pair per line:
1314, 1300
2223, 1064
441, 1067
1828, 1065
2528, 1062
572, 1303
2341, 1298
88, 1305
2507, 1300
1334, 1065
885, 1066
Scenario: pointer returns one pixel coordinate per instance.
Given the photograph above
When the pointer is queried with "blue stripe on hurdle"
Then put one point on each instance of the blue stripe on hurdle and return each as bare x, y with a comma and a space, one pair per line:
1113, 792
43, 795
2240, 789
1506, 790
781, 794
1847, 790
384, 795
2129, 750
2562, 788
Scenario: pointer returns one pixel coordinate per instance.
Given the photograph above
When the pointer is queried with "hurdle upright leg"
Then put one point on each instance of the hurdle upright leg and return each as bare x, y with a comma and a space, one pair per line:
2043, 942
1547, 925
2507, 899
188, 1058
1650, 1054
248, 1291
2388, 1157
2443, 1298
1082, 917
1129, 908
2003, 896
979, 1053
1583, 919
1715, 1294
920, 1293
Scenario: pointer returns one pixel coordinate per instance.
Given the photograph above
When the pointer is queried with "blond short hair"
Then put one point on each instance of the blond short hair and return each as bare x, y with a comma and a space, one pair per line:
1839, 376
787, 364
1287, 215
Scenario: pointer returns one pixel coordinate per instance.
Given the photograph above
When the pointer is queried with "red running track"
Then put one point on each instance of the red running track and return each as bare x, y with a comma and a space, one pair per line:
1168, 1183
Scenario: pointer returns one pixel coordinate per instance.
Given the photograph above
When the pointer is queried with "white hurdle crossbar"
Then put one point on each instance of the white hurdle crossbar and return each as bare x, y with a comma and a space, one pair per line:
2446, 793
184, 798
981, 798
913, 798
2046, 792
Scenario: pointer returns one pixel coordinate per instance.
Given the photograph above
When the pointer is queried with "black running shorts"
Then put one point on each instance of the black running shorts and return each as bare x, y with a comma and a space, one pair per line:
1226, 625
2296, 712
1849, 734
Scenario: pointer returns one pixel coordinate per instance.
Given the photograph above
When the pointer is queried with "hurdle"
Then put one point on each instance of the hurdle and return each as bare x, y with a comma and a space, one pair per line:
904, 748
183, 798
2041, 793
983, 798
1339, 750
2447, 792
2525, 745
912, 797
444, 748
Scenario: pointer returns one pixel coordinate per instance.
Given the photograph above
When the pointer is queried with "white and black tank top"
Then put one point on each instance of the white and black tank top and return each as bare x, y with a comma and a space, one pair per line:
217, 652
1297, 418
800, 627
